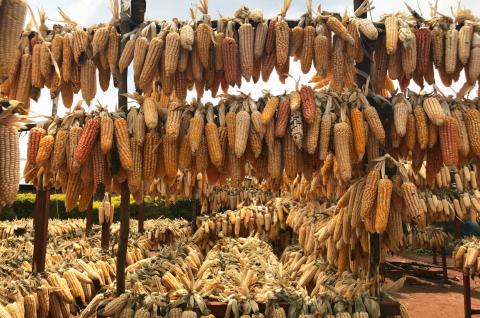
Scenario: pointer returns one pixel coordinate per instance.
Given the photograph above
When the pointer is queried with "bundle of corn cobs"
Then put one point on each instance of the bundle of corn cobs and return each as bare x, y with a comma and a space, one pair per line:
202, 54
221, 197
453, 194
465, 255
381, 202
163, 231
431, 237
265, 222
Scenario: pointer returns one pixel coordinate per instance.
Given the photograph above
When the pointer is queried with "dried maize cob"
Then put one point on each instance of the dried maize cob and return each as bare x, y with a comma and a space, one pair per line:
122, 143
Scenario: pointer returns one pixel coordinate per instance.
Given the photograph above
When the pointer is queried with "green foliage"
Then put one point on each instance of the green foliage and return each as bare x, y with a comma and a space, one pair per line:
23, 207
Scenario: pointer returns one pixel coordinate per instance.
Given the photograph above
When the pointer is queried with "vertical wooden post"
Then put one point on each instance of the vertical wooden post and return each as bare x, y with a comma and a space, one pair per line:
40, 218
444, 264
41, 214
89, 223
123, 239
125, 192
363, 66
105, 240
194, 208
467, 301
141, 217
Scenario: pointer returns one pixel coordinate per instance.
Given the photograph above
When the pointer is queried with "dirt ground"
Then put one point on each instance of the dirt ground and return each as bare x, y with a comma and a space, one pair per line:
430, 297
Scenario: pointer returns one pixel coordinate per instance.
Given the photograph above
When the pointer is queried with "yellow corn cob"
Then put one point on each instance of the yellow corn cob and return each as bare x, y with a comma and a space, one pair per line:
282, 41
400, 114
37, 78
421, 127
369, 195
196, 130
74, 285
391, 31
342, 135
204, 41
472, 121
88, 80
100, 39
269, 110
127, 55
139, 54
115, 306
79, 45
368, 29
246, 46
358, 130
45, 149
9, 166
242, 128
374, 123
173, 121
201, 156
337, 27
213, 140
112, 53
172, 52
260, 38
451, 50
24, 82
306, 56
122, 142
151, 61
313, 132
383, 205
464, 43
434, 110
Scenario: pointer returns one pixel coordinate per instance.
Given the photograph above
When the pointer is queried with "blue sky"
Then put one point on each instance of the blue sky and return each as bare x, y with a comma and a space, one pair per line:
88, 12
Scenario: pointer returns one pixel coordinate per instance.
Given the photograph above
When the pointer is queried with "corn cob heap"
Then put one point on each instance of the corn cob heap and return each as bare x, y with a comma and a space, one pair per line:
164, 231
465, 255
247, 278
265, 222
23, 227
76, 269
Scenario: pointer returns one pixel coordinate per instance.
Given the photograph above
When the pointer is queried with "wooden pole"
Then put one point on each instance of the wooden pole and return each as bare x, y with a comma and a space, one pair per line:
41, 214
194, 209
467, 301
141, 217
363, 66
444, 265
40, 218
105, 241
123, 239
136, 7
89, 223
